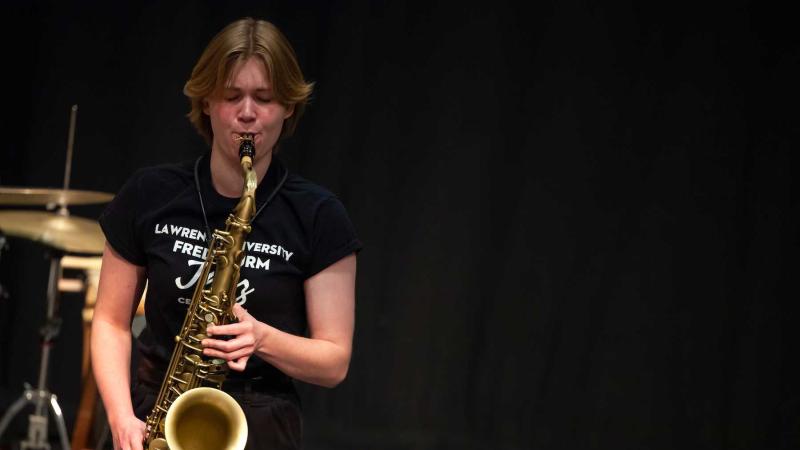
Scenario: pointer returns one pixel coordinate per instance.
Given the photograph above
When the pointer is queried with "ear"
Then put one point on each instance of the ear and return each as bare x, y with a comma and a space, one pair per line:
205, 107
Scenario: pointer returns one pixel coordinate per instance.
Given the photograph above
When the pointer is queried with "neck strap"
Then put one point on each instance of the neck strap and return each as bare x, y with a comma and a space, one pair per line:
258, 211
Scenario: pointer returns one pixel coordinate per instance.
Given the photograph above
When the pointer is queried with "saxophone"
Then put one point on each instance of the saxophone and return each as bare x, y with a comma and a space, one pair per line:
192, 412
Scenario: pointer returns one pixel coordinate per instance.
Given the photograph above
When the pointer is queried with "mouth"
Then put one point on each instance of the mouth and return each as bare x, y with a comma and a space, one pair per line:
242, 135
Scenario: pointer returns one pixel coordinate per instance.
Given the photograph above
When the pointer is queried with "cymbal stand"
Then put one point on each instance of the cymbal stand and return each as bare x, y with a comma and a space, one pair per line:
3, 246
68, 165
40, 396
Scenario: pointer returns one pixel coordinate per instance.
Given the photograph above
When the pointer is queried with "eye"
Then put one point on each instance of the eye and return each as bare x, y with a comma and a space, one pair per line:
232, 97
264, 99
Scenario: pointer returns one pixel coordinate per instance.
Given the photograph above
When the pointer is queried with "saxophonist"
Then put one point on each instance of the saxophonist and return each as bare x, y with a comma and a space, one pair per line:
295, 296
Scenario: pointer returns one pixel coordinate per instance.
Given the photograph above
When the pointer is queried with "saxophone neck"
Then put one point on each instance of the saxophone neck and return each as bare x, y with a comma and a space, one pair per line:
245, 209
250, 177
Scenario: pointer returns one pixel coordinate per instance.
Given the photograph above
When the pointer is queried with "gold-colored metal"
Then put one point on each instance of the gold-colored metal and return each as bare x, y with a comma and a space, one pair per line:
42, 196
68, 233
175, 423
201, 418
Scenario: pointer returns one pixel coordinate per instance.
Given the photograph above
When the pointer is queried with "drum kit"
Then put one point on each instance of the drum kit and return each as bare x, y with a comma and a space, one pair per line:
64, 236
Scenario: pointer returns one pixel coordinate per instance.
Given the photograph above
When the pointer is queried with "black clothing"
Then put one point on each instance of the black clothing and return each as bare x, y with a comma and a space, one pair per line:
156, 221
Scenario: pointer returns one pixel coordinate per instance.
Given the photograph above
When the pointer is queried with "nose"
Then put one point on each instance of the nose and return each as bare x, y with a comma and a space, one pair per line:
247, 111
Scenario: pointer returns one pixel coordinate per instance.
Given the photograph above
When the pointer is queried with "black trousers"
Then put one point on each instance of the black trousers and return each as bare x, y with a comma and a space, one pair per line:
274, 420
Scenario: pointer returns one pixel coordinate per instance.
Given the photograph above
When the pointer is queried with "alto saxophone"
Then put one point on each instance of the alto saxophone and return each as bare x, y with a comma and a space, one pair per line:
192, 412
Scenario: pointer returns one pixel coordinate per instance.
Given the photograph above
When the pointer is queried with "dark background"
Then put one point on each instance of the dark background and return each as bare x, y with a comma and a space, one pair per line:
579, 220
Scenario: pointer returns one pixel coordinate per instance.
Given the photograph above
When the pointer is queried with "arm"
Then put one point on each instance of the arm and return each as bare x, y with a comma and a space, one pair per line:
324, 357
119, 290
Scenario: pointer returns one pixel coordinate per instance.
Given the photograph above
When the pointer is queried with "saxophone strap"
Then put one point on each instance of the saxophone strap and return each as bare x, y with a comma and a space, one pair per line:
261, 208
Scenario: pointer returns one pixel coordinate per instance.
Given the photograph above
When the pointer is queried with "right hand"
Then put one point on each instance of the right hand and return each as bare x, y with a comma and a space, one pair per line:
128, 433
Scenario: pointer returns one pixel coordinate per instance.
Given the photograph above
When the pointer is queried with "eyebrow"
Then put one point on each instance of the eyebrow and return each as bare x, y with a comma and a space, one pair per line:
234, 88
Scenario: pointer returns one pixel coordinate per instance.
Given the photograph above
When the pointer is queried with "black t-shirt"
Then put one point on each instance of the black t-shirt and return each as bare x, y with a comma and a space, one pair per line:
156, 221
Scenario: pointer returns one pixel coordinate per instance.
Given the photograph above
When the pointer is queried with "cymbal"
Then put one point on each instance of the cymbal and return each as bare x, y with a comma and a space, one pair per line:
68, 233
44, 196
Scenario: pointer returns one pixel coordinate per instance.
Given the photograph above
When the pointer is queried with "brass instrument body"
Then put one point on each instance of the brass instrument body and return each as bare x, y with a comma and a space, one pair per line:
189, 368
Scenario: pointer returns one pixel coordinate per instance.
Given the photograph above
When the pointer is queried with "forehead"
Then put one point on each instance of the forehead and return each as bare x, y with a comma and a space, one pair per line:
250, 72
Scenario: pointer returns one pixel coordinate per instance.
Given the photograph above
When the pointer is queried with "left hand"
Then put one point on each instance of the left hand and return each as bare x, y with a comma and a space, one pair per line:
246, 338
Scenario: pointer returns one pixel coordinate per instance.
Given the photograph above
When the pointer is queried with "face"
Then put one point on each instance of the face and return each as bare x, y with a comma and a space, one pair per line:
246, 105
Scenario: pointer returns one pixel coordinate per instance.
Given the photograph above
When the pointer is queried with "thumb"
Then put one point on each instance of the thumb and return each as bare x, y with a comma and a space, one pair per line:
240, 312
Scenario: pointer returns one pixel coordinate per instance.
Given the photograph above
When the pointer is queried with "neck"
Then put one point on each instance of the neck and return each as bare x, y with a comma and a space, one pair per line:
226, 173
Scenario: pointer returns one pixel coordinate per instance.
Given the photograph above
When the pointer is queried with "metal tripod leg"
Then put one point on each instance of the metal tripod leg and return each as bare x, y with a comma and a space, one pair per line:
12, 411
37, 422
41, 397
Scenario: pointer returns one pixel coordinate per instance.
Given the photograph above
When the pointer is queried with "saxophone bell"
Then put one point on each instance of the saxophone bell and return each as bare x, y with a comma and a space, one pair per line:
205, 418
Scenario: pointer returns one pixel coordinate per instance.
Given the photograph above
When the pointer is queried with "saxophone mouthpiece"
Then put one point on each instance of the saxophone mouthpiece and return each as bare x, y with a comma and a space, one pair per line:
247, 146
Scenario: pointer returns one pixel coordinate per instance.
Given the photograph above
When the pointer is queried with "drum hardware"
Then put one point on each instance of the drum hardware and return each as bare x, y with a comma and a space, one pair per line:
40, 396
55, 198
63, 235
3, 247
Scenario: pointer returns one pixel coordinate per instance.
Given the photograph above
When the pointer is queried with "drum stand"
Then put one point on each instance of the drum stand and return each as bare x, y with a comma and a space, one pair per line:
40, 396
3, 246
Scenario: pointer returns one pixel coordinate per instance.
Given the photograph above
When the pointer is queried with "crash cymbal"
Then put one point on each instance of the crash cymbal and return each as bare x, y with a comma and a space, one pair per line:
68, 233
43, 196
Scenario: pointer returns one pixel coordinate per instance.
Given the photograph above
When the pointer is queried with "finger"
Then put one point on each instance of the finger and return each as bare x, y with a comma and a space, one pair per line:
228, 356
136, 442
240, 312
139, 440
131, 439
239, 364
243, 341
232, 329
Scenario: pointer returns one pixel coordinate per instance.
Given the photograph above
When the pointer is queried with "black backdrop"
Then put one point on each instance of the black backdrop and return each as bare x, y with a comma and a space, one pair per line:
579, 221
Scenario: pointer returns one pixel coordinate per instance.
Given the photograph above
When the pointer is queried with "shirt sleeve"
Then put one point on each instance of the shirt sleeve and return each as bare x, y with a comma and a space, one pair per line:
334, 236
119, 222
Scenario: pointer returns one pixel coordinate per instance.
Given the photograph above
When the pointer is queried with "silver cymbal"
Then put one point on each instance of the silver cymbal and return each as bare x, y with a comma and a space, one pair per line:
44, 196
68, 233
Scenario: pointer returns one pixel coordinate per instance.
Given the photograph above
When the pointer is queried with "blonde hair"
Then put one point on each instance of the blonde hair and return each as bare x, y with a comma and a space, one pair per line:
235, 44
